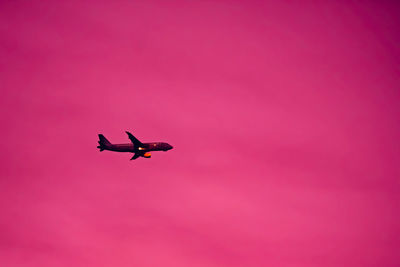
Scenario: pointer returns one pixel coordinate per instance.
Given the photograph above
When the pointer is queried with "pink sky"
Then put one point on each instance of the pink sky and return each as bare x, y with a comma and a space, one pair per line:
284, 117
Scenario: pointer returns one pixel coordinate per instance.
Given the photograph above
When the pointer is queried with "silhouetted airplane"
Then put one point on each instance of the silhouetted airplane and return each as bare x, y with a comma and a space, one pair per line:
140, 149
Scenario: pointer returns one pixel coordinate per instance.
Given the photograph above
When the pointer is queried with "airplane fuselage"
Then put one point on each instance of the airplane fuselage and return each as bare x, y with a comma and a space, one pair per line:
145, 147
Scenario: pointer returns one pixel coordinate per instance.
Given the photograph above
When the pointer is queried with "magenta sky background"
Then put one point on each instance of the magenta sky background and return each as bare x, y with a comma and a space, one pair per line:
284, 116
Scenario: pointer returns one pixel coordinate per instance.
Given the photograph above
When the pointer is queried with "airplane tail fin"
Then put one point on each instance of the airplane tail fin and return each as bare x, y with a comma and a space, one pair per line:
103, 142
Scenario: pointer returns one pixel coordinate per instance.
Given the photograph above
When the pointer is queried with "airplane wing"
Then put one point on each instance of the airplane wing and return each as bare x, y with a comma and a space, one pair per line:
134, 140
135, 156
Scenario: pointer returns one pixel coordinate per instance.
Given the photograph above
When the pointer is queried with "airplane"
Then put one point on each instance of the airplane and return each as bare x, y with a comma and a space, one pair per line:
138, 148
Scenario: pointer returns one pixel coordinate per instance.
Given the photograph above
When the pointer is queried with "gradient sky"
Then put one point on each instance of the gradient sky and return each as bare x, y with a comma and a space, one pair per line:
284, 117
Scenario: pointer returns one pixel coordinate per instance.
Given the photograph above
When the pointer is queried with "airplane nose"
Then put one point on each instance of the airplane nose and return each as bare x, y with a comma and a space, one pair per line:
170, 147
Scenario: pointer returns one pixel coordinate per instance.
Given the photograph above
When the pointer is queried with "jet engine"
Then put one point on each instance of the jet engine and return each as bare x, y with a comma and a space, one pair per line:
147, 155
